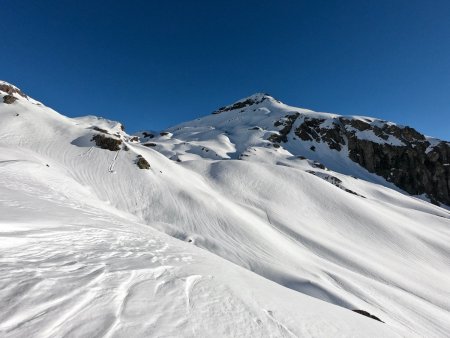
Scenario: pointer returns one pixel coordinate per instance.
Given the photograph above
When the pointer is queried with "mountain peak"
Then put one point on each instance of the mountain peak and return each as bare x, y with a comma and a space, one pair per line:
259, 96
246, 102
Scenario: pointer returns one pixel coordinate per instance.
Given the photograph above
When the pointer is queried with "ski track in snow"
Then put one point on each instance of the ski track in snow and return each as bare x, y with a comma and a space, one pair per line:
87, 153
285, 331
113, 162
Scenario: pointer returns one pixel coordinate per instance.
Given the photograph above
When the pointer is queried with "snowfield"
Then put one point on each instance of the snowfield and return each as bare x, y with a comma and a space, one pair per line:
224, 235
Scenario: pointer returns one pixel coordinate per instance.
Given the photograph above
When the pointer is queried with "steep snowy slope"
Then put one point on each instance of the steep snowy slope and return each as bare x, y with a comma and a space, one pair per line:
71, 209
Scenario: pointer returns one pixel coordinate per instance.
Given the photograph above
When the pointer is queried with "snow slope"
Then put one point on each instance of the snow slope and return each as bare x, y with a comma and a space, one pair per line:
236, 130
72, 266
290, 247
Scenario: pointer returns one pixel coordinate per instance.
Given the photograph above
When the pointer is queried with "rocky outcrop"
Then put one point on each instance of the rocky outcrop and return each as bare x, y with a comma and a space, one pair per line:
287, 123
412, 167
8, 99
400, 154
134, 139
147, 135
142, 163
11, 90
311, 130
333, 180
108, 143
100, 129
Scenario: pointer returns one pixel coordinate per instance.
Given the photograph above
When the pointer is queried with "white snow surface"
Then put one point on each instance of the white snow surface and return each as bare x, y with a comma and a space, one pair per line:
211, 246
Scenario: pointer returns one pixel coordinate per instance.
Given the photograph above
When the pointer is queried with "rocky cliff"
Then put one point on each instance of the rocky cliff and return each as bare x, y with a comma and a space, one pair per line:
401, 155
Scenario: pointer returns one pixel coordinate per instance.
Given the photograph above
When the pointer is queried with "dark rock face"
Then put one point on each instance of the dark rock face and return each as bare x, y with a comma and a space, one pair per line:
8, 99
108, 143
287, 123
148, 135
142, 163
409, 167
408, 162
317, 164
367, 314
310, 130
333, 137
100, 130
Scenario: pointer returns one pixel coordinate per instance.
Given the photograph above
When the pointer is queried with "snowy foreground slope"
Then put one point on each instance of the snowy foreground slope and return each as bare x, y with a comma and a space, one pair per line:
272, 245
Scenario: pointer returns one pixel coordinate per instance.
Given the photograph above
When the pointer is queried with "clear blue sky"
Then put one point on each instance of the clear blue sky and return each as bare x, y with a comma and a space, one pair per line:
152, 64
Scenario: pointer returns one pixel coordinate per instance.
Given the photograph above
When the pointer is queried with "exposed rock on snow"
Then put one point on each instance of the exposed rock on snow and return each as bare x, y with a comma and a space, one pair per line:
8, 99
10, 89
147, 135
105, 142
333, 180
287, 123
142, 163
100, 129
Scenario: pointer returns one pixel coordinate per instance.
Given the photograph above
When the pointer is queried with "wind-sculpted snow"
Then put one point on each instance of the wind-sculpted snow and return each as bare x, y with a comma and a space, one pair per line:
71, 266
288, 250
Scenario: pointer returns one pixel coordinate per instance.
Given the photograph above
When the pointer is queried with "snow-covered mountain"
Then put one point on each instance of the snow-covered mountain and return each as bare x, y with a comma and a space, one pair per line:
280, 220
348, 144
